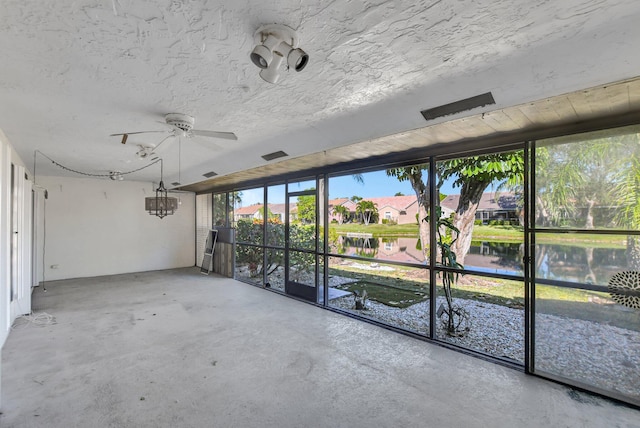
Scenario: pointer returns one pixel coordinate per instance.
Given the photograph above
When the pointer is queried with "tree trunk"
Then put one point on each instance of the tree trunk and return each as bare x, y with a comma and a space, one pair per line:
422, 193
590, 277
633, 252
465, 215
588, 224
542, 215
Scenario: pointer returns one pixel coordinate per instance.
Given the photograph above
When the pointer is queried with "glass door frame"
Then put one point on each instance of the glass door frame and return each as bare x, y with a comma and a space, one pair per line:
294, 288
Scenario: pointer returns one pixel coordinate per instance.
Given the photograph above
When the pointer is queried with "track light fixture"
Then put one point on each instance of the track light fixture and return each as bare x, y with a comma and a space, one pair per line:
276, 42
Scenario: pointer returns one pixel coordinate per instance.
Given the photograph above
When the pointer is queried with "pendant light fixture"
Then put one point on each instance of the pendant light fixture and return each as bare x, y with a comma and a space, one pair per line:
161, 205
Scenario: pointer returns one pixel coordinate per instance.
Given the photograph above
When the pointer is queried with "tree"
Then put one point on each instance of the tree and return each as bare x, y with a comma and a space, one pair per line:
574, 179
473, 175
627, 193
399, 194
341, 212
237, 198
307, 209
420, 185
366, 209
456, 322
356, 199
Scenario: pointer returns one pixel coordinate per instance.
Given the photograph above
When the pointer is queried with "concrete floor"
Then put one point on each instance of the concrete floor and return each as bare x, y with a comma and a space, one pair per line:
179, 349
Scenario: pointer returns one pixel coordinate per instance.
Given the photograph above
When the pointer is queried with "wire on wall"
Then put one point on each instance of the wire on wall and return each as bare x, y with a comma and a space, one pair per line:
88, 174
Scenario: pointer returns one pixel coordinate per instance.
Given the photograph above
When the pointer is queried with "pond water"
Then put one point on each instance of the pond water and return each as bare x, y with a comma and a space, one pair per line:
560, 262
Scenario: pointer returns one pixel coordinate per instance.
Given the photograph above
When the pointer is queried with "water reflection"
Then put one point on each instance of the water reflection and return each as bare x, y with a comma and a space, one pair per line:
560, 262
399, 249
579, 264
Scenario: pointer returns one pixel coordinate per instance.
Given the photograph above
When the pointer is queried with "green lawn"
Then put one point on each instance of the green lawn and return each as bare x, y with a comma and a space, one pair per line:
489, 234
492, 290
379, 230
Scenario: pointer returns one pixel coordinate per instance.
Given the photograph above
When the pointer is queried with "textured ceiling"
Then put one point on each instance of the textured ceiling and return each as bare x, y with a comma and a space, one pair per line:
74, 72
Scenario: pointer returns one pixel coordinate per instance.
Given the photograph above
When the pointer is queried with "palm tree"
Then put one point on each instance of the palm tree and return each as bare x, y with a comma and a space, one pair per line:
341, 212
627, 193
366, 209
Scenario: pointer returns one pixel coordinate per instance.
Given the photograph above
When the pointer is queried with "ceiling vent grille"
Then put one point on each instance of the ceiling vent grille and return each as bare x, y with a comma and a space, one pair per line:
274, 155
458, 106
210, 174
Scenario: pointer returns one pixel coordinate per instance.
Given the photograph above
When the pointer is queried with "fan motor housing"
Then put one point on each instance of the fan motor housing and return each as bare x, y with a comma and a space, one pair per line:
181, 121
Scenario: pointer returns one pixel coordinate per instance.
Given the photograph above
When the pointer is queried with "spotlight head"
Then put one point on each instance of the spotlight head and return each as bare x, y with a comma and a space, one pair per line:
261, 56
270, 74
297, 59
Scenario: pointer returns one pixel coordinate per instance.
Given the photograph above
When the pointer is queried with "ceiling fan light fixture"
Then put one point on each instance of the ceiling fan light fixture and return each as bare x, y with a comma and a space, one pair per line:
145, 152
183, 122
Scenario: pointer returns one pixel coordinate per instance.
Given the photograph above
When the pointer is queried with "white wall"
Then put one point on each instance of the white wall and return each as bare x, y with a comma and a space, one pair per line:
99, 227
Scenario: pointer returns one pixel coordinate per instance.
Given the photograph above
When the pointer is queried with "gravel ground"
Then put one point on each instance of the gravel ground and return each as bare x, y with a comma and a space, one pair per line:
590, 352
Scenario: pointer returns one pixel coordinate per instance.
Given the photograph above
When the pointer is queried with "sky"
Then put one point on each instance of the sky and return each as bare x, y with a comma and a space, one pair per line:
375, 184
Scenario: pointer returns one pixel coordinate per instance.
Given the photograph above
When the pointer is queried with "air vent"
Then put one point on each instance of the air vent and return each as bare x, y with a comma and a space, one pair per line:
210, 174
274, 155
458, 106
175, 183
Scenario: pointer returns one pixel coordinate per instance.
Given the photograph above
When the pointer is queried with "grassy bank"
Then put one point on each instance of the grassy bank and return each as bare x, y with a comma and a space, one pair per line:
490, 234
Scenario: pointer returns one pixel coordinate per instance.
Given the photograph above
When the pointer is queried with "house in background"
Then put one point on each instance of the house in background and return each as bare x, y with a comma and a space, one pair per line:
255, 212
396, 209
345, 202
493, 206
500, 206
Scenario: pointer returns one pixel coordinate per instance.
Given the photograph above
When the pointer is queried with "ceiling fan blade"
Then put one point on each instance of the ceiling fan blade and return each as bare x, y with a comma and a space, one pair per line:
155, 149
207, 144
214, 134
132, 133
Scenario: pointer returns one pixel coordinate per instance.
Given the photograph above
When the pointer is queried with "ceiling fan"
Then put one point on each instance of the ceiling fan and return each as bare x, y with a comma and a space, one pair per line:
181, 126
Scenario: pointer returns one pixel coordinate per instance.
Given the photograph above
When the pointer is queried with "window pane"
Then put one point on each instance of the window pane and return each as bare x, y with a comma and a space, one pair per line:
375, 214
249, 216
588, 181
275, 269
249, 266
394, 295
276, 211
488, 315
588, 337
481, 211
584, 258
587, 328
220, 209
